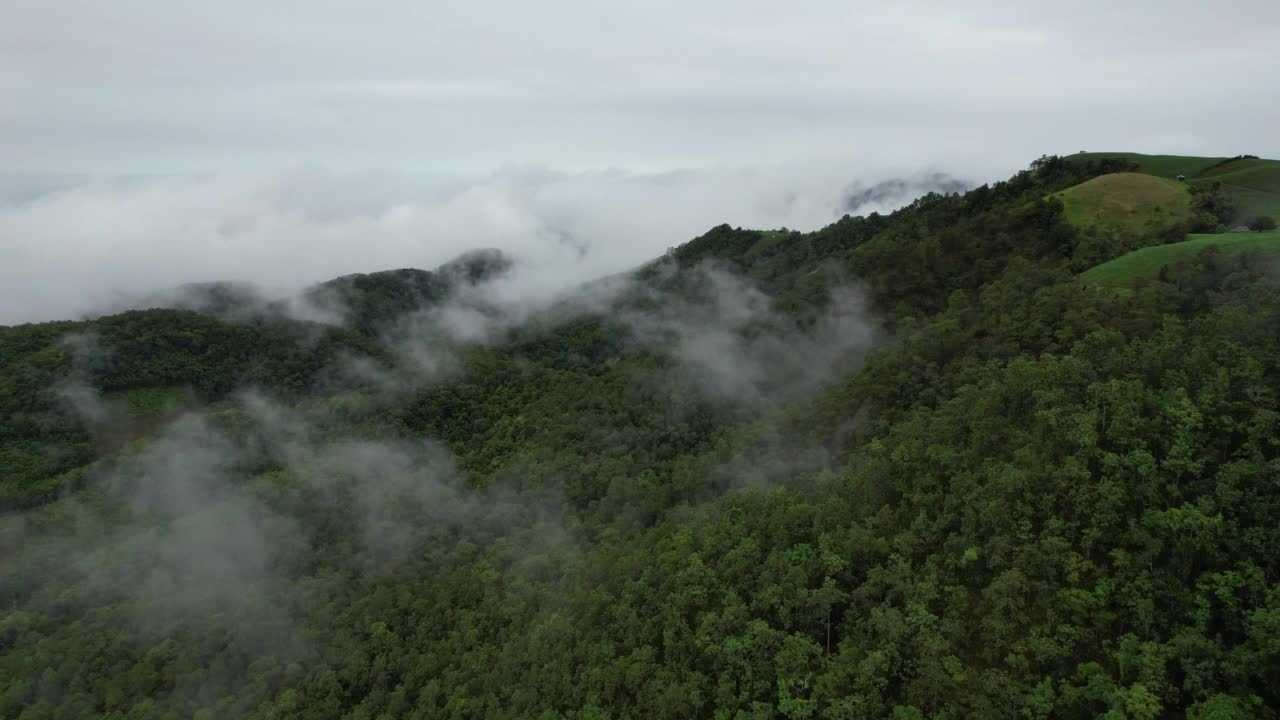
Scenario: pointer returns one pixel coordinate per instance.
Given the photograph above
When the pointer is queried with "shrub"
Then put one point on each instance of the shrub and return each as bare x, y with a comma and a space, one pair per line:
1263, 223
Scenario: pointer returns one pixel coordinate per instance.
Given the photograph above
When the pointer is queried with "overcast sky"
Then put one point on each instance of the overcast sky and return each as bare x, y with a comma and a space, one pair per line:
159, 85
598, 90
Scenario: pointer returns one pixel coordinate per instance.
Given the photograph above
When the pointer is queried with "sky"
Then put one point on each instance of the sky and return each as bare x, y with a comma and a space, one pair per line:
145, 142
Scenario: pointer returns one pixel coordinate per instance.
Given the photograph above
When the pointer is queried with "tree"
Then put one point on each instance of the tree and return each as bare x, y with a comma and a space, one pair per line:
1211, 206
1263, 223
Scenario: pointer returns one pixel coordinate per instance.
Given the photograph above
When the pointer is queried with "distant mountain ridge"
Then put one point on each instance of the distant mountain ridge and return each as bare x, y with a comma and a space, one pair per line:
362, 301
367, 301
888, 194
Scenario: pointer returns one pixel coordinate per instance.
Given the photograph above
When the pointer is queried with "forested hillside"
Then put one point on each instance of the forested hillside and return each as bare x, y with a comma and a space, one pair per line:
907, 466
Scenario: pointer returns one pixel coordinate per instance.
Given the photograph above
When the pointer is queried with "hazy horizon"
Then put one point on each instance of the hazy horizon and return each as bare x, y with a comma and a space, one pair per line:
149, 145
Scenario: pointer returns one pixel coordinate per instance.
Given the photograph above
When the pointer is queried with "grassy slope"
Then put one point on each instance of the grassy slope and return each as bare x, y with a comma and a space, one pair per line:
1254, 184
1127, 270
1126, 200
1243, 169
1167, 166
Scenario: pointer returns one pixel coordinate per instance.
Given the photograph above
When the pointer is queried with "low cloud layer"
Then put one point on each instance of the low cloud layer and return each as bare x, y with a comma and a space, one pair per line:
87, 246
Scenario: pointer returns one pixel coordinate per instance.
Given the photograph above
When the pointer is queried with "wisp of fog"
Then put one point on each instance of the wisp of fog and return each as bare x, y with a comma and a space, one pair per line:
87, 246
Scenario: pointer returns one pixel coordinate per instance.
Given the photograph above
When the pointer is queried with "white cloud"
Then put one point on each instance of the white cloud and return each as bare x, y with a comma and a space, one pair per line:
83, 248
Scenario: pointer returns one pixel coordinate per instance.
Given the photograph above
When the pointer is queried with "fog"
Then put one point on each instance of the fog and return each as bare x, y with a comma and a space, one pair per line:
730, 345
89, 245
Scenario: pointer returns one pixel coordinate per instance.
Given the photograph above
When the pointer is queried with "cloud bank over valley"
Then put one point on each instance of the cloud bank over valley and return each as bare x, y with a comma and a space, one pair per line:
77, 246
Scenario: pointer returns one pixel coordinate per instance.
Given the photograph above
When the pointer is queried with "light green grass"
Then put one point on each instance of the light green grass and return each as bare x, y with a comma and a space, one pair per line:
1129, 201
1144, 264
1252, 183
1244, 168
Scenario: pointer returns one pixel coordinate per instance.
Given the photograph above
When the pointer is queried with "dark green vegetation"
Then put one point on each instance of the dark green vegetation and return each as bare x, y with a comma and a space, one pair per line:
43, 368
1146, 263
1036, 498
370, 303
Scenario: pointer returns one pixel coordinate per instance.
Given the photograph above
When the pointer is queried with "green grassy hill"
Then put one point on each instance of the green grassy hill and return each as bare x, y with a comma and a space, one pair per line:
1252, 183
1166, 166
1132, 201
1128, 270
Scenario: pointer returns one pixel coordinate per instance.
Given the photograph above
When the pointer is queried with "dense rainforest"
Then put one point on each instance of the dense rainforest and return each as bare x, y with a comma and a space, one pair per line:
907, 466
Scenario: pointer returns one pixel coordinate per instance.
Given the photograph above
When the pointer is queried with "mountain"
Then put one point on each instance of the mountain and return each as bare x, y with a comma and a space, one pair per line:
363, 301
368, 301
898, 191
229, 300
909, 465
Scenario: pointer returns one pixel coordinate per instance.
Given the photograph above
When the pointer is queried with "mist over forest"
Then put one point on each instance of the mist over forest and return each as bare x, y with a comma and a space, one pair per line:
595, 361
905, 465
